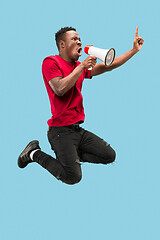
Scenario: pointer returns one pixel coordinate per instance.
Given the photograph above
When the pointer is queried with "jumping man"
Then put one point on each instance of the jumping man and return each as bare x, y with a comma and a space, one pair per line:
63, 75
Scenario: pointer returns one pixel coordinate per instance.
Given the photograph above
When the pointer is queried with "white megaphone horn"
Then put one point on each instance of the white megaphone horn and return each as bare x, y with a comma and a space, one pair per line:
105, 55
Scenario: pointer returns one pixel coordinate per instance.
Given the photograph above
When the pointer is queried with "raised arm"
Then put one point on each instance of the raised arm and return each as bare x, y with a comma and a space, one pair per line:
120, 60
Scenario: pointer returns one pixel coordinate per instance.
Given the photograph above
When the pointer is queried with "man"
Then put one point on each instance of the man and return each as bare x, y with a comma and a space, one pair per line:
63, 76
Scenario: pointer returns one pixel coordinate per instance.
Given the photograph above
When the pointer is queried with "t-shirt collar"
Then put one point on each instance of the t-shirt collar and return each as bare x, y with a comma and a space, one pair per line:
69, 63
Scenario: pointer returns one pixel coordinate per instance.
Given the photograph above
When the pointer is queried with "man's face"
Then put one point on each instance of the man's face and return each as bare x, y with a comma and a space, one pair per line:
72, 45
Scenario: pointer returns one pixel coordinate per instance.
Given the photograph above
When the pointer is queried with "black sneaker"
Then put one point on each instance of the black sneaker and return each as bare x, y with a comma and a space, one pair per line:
24, 157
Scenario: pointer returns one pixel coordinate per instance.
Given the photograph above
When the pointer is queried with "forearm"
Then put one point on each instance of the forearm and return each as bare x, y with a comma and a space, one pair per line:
61, 85
66, 83
118, 61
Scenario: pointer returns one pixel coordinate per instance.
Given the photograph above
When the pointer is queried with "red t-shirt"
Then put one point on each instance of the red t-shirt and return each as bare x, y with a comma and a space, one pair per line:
67, 109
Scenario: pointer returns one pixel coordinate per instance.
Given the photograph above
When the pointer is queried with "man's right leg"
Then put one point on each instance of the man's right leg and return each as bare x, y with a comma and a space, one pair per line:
67, 165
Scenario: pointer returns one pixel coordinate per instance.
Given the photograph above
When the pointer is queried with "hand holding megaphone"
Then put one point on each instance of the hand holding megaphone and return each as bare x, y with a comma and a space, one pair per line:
89, 62
105, 55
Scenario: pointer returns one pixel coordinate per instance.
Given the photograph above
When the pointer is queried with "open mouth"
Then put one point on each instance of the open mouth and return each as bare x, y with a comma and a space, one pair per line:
79, 51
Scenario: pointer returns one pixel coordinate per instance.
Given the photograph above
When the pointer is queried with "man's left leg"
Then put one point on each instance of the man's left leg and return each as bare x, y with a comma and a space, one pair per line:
94, 149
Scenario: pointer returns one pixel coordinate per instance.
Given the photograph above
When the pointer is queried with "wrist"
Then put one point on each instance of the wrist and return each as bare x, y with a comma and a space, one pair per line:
82, 66
134, 50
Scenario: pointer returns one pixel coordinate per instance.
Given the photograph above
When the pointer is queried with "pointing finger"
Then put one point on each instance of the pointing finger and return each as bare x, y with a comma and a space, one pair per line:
136, 35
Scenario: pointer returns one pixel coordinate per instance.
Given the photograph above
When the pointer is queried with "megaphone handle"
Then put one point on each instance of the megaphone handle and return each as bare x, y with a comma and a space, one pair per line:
90, 67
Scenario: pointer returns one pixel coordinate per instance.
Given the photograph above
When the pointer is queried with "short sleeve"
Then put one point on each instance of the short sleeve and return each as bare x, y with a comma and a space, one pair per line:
87, 73
50, 69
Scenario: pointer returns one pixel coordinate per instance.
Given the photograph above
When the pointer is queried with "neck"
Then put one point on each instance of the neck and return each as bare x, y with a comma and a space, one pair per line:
65, 57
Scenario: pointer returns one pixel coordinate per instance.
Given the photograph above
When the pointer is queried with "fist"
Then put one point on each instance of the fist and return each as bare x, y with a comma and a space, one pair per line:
89, 62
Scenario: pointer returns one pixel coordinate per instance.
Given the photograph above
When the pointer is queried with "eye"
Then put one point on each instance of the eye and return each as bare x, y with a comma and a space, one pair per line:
75, 39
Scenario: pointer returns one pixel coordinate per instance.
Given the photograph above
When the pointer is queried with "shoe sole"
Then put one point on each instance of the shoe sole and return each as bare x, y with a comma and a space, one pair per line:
32, 145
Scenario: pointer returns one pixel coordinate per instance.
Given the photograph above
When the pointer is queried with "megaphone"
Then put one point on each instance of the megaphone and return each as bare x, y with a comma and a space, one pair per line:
105, 55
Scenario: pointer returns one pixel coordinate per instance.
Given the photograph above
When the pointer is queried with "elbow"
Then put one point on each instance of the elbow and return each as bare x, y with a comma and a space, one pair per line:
57, 88
59, 92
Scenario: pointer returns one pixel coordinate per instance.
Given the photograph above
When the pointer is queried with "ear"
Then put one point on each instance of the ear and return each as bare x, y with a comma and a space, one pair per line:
61, 44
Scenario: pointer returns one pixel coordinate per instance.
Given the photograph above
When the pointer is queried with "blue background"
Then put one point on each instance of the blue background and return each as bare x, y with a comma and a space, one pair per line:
117, 201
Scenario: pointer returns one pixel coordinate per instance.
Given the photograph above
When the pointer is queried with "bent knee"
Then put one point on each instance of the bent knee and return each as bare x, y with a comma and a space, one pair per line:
74, 178
111, 156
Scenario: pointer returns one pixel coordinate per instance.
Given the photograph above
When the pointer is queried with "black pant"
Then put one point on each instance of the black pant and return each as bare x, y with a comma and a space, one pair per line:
72, 145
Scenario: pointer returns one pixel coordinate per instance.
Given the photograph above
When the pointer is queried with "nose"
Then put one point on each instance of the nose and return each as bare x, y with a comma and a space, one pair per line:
79, 43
